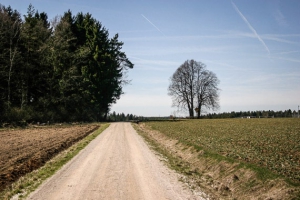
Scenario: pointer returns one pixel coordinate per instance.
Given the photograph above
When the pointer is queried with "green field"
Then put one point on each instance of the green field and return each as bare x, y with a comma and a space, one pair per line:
270, 143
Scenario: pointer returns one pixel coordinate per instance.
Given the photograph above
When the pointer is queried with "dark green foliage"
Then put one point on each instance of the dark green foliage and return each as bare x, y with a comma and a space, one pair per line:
121, 117
252, 114
67, 71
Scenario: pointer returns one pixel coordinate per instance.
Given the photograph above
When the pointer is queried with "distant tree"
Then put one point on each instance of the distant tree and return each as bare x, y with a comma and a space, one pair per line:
192, 86
114, 116
130, 117
122, 116
289, 113
258, 114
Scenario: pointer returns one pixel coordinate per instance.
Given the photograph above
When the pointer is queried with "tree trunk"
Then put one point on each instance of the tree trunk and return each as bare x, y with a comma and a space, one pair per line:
8, 86
199, 111
192, 111
24, 94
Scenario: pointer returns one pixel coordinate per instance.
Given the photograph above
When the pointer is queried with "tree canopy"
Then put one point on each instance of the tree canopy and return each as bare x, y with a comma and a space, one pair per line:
65, 70
193, 87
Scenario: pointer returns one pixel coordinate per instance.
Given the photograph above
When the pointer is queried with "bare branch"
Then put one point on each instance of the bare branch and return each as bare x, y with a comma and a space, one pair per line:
192, 84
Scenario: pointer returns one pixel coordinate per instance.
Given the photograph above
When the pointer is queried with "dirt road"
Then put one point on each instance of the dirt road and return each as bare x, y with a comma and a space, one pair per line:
116, 165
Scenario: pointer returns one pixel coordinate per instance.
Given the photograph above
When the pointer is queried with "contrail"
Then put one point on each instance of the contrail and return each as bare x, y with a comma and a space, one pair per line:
251, 28
152, 24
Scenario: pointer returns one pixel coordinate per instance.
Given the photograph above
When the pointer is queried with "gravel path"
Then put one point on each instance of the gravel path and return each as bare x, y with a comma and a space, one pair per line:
116, 165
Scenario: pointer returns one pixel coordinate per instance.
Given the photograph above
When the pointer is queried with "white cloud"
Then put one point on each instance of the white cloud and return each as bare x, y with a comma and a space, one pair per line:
153, 65
250, 27
278, 39
225, 66
287, 52
152, 24
288, 59
280, 18
271, 37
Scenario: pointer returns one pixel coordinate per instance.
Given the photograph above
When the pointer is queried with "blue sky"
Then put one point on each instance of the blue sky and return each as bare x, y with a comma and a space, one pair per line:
252, 46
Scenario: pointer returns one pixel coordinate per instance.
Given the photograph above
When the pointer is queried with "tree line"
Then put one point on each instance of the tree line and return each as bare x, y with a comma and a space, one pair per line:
121, 117
66, 69
253, 114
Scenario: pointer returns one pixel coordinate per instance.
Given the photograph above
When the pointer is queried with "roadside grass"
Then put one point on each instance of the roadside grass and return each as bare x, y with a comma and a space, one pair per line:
172, 161
28, 183
262, 173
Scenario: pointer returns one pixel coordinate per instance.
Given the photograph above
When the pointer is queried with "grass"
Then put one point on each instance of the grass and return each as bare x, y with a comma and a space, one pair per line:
172, 161
224, 148
28, 183
269, 146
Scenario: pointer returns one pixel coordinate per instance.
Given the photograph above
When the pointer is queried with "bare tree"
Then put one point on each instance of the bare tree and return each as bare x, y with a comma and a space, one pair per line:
207, 90
193, 85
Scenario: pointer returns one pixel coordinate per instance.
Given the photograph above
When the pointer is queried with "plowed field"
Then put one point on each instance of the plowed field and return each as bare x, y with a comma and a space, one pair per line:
24, 150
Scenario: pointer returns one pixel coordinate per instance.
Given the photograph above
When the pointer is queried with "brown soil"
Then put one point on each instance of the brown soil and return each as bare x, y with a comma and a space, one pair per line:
220, 179
24, 150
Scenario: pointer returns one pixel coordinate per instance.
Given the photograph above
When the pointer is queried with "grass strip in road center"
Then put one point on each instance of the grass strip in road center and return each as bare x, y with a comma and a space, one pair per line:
28, 183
